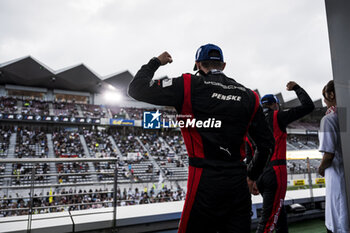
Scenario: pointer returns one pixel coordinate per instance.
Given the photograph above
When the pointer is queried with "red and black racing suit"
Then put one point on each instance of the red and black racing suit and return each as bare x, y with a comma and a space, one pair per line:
272, 184
218, 199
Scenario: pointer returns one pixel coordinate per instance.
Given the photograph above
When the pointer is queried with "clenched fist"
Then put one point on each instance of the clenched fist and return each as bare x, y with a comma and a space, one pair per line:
291, 85
165, 58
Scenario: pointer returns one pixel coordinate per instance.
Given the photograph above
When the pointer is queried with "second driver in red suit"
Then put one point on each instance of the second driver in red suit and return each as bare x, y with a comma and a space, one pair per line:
272, 184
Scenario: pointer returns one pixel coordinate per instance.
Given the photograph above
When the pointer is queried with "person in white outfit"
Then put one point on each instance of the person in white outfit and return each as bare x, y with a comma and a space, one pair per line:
332, 167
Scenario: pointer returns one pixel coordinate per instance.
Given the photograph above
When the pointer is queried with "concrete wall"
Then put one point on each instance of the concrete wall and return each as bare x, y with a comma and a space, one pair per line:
338, 18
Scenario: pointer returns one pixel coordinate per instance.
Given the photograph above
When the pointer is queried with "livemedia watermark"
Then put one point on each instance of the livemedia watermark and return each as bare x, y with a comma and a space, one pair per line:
154, 120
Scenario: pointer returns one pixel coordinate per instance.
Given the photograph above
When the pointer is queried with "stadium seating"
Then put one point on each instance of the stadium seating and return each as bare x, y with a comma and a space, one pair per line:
2, 172
23, 174
4, 142
31, 144
57, 108
117, 112
93, 111
68, 145
61, 108
300, 166
35, 107
8, 104
166, 157
69, 199
135, 160
301, 142
100, 146
135, 113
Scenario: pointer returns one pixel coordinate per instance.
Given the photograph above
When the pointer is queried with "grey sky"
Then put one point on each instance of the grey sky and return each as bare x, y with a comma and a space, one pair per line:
265, 43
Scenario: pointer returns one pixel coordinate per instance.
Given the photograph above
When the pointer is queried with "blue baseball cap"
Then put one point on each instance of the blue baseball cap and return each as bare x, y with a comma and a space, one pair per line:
202, 54
269, 99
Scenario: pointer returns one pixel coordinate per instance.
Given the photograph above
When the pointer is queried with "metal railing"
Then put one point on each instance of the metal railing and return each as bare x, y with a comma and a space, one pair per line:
67, 207
32, 186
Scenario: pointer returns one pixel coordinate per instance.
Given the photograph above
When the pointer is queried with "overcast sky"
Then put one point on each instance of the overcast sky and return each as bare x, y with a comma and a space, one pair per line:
265, 43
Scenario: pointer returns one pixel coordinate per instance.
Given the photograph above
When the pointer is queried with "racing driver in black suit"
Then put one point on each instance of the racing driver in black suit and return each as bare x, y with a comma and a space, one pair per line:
218, 197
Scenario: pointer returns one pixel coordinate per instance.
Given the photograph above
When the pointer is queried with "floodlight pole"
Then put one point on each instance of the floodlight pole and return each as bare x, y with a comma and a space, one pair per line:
338, 19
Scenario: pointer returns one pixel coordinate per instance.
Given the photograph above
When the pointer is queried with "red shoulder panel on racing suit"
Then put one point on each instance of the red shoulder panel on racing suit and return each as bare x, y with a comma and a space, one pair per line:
194, 148
280, 140
278, 162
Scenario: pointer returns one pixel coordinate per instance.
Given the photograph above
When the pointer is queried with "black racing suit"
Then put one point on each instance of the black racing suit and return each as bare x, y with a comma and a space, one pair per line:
218, 199
250, 148
272, 184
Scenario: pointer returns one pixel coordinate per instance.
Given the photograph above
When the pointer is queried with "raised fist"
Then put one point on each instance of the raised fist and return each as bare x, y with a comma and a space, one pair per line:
165, 58
290, 85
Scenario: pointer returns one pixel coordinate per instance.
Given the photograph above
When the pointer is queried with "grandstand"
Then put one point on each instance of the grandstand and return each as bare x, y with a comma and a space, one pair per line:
86, 149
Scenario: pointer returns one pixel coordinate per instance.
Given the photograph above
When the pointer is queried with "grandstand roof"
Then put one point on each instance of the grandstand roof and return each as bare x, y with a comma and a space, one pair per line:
120, 81
292, 103
27, 71
280, 98
295, 102
318, 103
78, 78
